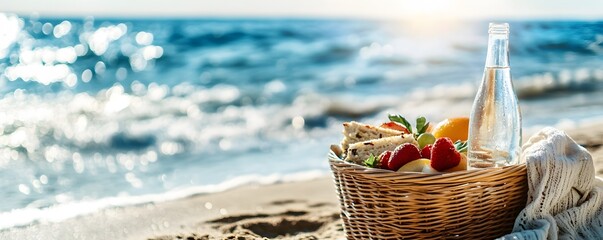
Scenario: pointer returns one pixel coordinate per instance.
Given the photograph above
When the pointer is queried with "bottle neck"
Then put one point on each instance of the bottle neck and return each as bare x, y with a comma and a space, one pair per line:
498, 50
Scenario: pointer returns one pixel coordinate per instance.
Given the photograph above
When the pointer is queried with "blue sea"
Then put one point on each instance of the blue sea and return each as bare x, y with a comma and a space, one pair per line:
98, 113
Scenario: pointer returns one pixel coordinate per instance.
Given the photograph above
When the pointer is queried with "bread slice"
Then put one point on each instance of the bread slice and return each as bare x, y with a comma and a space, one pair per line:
354, 132
360, 151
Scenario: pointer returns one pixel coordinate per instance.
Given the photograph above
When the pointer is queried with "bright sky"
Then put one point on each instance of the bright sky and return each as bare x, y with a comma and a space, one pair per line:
463, 9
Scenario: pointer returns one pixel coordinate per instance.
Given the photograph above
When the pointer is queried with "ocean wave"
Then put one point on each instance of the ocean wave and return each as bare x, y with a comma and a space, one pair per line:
148, 118
527, 87
61, 212
565, 81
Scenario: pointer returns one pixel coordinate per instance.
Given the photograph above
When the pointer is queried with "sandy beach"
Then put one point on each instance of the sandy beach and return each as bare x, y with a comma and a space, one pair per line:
297, 210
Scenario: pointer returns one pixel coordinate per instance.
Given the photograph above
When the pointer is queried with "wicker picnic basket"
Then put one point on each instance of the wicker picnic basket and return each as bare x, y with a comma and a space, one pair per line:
474, 204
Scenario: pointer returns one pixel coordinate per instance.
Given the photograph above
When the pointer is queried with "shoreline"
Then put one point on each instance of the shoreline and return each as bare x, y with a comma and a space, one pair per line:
24, 217
302, 208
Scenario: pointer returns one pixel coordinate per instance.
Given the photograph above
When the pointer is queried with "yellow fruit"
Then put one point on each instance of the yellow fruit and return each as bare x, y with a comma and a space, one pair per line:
462, 164
415, 165
453, 128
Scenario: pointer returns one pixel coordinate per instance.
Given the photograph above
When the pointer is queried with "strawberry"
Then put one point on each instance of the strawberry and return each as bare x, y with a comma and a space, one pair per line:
444, 154
403, 154
384, 159
426, 151
395, 126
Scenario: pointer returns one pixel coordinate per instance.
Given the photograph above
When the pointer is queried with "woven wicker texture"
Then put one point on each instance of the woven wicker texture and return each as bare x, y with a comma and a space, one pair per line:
475, 204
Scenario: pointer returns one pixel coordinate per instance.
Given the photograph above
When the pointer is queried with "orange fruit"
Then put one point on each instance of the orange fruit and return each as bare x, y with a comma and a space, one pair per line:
453, 128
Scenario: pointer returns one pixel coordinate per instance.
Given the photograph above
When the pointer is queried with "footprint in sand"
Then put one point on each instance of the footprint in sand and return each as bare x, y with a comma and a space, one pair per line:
232, 219
318, 205
292, 201
313, 224
272, 228
285, 202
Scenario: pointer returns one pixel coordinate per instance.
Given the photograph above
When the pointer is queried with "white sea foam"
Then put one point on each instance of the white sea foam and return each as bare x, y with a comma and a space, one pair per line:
60, 212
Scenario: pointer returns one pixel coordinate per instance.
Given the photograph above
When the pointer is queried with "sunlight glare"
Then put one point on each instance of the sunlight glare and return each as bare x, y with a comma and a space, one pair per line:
426, 18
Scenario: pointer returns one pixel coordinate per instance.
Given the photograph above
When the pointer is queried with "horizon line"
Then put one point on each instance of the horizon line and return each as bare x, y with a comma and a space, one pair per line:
294, 17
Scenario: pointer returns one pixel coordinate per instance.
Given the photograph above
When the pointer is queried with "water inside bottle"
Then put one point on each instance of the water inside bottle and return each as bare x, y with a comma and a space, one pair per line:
495, 131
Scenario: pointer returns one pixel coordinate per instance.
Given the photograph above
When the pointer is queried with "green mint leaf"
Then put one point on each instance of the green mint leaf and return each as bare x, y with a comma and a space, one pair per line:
424, 128
461, 146
401, 120
371, 161
420, 124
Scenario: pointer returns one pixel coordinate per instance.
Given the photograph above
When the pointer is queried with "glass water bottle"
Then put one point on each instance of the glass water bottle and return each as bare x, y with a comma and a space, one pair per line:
495, 123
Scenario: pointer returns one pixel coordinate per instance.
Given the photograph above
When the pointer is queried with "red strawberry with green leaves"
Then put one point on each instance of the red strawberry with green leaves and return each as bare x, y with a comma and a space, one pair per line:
426, 151
378, 162
403, 154
445, 154
384, 159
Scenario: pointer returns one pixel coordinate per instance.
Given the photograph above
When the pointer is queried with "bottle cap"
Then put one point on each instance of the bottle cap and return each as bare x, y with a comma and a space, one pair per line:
498, 28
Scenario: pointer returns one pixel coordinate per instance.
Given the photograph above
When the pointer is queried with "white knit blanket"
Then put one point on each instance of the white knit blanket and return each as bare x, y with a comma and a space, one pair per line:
563, 200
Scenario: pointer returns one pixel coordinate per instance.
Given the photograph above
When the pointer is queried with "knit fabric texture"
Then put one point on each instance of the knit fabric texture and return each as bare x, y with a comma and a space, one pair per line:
563, 200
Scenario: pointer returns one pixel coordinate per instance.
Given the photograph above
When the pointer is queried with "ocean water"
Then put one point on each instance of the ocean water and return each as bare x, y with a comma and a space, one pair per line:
96, 113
